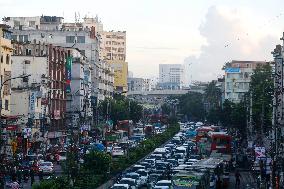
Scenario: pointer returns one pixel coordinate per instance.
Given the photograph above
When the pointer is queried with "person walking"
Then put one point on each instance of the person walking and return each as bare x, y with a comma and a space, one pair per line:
238, 179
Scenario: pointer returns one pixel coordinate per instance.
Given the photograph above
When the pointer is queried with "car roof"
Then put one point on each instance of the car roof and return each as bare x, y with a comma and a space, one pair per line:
164, 181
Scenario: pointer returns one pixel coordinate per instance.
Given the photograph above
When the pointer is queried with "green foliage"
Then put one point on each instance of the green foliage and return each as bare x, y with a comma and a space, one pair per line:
97, 163
212, 95
261, 88
120, 109
166, 109
191, 104
56, 183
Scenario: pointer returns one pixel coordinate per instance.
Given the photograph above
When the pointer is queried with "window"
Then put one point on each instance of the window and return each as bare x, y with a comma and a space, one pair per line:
6, 104
14, 37
1, 58
31, 23
23, 38
81, 39
83, 52
70, 39
7, 59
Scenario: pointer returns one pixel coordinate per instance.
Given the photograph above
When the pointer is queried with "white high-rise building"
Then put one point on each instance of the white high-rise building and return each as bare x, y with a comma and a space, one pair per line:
171, 76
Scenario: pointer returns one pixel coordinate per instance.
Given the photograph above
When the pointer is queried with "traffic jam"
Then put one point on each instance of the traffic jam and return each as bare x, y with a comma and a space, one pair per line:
197, 157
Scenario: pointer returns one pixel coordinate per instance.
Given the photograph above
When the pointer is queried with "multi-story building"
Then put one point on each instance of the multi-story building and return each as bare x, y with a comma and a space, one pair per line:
113, 51
106, 78
80, 35
5, 69
170, 76
238, 77
41, 98
138, 84
78, 107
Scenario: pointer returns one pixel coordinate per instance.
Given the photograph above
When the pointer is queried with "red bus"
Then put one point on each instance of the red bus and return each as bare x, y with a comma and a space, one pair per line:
202, 133
220, 142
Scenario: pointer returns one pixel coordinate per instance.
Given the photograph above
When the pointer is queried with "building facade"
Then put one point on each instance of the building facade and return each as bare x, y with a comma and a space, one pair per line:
5, 69
46, 88
170, 76
78, 107
113, 51
52, 30
238, 77
138, 84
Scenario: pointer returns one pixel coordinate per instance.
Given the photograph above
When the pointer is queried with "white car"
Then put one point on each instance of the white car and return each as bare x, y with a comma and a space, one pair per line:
166, 183
46, 167
131, 182
135, 176
144, 175
117, 151
120, 186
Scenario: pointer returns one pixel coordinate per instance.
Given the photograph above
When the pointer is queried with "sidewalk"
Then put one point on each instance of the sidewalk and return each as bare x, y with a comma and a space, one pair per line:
246, 180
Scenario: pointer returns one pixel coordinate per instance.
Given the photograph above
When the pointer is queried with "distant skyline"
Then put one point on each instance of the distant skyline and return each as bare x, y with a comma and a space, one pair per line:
203, 34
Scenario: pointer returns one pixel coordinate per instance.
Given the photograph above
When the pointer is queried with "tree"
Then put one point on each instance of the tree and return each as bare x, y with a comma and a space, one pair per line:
97, 163
191, 104
225, 114
135, 111
166, 109
261, 89
212, 95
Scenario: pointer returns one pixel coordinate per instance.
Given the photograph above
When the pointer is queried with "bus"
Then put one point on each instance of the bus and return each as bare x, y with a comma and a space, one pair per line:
202, 133
220, 142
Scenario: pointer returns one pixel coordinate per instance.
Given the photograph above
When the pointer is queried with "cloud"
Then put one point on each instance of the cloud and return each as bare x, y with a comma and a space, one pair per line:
229, 36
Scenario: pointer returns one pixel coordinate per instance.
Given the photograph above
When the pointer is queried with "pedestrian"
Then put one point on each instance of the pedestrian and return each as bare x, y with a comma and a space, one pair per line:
15, 184
32, 175
238, 179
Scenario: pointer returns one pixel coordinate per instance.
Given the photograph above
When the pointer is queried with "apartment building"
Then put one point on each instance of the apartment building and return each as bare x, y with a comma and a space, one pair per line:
5, 69
42, 98
171, 76
79, 35
238, 77
138, 84
113, 51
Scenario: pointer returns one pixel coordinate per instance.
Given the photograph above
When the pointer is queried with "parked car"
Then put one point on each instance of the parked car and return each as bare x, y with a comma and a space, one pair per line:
167, 183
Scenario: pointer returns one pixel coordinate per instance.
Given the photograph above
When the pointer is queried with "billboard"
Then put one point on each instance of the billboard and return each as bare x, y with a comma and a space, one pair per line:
233, 70
69, 61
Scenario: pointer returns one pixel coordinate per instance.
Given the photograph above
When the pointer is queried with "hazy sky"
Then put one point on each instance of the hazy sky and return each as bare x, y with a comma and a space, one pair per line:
202, 33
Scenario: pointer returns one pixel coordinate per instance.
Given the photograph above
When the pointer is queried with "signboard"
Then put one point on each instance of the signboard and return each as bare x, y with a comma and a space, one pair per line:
32, 103
233, 70
69, 61
56, 114
259, 152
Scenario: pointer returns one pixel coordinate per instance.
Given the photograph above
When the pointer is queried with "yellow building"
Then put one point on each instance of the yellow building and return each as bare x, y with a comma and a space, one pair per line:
113, 51
120, 75
5, 67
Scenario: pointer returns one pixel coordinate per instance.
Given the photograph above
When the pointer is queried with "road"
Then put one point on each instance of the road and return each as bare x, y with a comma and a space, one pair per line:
27, 185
